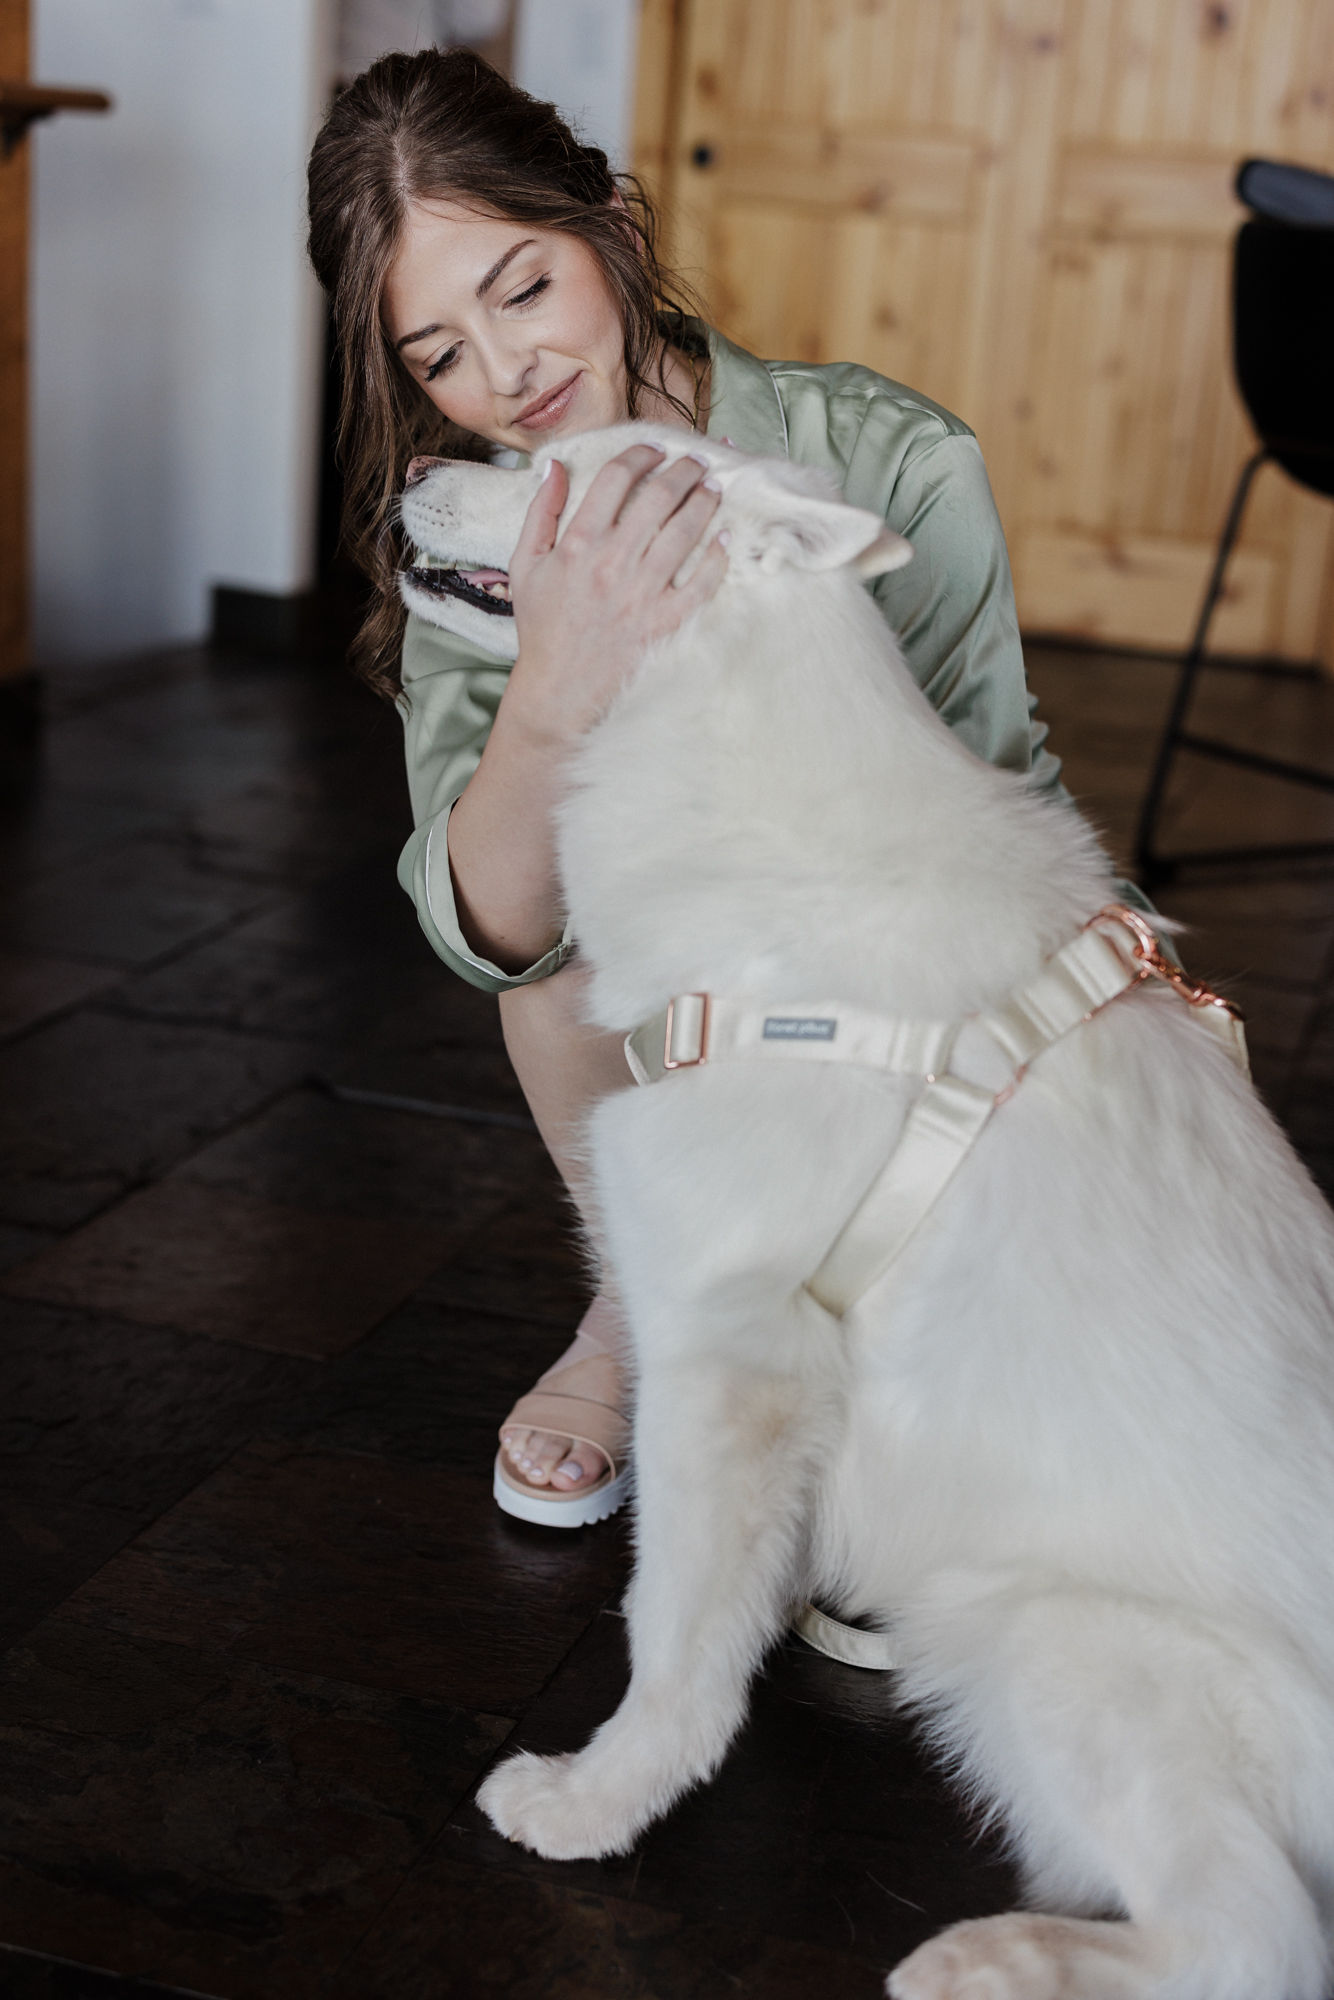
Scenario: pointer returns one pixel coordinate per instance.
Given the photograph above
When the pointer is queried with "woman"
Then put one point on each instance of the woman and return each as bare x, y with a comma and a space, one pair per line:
494, 287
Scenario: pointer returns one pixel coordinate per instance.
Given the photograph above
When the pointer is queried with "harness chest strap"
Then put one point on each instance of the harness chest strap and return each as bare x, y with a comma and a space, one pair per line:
968, 1069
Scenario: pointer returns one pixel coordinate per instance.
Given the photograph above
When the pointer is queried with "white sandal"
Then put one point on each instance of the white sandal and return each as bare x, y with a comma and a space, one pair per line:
573, 1401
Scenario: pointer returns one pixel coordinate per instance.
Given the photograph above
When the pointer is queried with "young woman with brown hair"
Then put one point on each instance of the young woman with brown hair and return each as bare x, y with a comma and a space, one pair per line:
495, 286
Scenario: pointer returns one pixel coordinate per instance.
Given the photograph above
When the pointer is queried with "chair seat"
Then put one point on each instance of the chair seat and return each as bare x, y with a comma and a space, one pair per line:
1283, 193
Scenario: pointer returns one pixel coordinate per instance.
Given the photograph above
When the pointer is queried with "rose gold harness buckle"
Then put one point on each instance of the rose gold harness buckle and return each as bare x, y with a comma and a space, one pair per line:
669, 1061
1154, 962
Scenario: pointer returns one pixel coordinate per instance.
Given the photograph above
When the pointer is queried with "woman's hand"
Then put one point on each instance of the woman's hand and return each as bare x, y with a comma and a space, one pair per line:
586, 606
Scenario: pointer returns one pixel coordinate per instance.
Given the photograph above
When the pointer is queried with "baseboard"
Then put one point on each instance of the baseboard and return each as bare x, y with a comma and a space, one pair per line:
20, 708
261, 621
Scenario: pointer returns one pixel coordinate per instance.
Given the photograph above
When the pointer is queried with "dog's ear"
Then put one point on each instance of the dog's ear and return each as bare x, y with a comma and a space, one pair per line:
807, 533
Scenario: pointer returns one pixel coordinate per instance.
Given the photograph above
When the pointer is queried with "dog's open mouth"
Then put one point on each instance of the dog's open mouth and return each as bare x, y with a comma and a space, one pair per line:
488, 589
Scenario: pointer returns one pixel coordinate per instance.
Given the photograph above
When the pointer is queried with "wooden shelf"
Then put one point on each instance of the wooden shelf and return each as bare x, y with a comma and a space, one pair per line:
22, 103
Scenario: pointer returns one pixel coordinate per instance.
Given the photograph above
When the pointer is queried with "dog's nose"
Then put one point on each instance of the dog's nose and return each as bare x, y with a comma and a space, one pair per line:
418, 469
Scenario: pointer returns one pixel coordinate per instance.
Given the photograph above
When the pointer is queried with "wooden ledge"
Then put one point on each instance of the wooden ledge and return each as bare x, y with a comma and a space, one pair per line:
22, 103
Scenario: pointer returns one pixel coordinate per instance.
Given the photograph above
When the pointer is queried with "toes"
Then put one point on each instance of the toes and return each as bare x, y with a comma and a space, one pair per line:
546, 1460
584, 1464
538, 1454
516, 1447
544, 1454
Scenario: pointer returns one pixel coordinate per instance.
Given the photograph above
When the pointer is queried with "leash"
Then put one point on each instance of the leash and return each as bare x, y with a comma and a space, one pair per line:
969, 1069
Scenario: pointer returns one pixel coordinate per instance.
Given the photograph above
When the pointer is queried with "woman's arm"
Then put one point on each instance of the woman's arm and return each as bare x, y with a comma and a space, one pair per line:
585, 608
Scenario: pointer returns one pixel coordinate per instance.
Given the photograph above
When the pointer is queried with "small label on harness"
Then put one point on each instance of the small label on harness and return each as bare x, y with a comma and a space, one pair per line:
799, 1028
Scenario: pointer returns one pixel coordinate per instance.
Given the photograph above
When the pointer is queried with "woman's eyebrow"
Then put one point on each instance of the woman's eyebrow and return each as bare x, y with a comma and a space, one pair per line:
496, 269
482, 290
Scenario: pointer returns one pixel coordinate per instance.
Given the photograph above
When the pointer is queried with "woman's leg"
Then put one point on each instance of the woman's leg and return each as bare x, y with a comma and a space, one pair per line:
564, 1067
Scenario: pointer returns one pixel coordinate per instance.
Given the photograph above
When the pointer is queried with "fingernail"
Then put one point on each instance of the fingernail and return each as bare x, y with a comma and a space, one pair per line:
698, 457
731, 441
711, 485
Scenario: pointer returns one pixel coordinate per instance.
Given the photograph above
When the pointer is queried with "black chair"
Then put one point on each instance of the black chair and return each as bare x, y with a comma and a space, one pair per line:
1283, 354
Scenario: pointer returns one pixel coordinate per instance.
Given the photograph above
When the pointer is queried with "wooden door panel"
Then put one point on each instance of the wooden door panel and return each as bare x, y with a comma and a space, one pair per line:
1108, 192
1132, 589
806, 288
919, 174
1024, 208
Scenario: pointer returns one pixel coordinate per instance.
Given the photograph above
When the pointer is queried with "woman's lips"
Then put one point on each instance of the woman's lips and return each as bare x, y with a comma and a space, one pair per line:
548, 409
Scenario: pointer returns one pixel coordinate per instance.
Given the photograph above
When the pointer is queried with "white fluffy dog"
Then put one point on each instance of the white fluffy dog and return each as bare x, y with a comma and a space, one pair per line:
1076, 1452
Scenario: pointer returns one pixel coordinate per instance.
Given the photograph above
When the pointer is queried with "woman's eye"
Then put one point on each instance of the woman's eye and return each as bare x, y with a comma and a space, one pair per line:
520, 299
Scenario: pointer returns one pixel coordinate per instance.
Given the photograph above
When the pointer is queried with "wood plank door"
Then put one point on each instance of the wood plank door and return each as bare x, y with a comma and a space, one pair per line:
13, 363
1023, 208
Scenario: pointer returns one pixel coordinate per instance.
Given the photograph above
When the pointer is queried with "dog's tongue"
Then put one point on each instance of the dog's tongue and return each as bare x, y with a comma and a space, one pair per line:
483, 578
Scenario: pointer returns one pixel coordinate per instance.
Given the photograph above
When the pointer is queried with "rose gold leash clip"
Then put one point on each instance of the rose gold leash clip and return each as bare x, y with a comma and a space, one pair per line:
1154, 962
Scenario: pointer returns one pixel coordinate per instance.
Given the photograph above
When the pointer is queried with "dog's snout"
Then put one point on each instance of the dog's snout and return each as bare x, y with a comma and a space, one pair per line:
418, 469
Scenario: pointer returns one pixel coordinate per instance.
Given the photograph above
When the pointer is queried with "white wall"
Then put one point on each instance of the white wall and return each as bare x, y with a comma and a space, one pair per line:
580, 54
175, 329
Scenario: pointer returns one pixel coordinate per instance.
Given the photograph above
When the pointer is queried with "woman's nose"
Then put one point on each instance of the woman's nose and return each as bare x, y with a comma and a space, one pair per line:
508, 359
418, 469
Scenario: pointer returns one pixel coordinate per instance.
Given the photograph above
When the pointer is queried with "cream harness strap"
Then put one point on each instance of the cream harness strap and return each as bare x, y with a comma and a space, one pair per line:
968, 1068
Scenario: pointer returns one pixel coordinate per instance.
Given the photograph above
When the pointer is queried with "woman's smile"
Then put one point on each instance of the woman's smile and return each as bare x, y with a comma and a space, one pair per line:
549, 409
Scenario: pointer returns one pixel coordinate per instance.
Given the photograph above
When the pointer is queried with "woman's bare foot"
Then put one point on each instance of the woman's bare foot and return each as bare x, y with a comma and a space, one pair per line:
543, 1458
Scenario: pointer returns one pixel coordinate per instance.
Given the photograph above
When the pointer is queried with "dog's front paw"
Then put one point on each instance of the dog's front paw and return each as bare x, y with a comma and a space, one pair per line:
556, 1806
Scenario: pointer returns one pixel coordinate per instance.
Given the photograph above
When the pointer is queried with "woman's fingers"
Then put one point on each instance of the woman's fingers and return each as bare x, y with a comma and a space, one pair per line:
704, 579
538, 534
679, 533
601, 505
611, 578
658, 500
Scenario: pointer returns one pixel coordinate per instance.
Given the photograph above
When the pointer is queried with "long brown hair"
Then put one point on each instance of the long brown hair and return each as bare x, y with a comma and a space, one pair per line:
445, 124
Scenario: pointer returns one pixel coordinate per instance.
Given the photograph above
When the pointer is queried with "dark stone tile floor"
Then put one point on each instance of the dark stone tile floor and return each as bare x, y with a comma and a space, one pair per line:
265, 1628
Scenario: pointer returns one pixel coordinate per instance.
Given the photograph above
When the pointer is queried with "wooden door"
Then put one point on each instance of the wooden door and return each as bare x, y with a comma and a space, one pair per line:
13, 357
1023, 208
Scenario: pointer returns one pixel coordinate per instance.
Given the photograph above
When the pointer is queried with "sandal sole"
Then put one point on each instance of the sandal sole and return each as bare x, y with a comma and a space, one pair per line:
574, 1510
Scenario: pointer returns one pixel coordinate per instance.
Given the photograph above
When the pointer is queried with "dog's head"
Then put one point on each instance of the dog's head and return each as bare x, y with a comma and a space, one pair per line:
464, 519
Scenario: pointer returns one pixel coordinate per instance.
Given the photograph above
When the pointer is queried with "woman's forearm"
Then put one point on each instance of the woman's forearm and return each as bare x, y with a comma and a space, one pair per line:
502, 844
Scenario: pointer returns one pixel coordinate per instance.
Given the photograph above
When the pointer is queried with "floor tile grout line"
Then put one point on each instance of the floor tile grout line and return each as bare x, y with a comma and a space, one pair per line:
105, 1972
469, 1791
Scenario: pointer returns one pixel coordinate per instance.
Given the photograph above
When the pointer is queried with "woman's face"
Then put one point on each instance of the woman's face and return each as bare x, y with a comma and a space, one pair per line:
512, 331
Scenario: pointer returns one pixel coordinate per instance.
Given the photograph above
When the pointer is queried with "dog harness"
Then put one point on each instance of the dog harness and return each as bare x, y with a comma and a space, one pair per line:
968, 1068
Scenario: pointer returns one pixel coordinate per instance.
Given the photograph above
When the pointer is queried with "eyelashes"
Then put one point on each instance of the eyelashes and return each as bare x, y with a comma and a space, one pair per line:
521, 299
533, 293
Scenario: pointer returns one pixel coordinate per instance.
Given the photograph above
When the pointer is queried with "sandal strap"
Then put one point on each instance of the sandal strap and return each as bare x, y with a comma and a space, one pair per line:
574, 1402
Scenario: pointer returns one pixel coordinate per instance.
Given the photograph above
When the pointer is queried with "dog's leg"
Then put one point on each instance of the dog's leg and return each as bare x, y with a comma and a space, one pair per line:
727, 1439
1139, 1763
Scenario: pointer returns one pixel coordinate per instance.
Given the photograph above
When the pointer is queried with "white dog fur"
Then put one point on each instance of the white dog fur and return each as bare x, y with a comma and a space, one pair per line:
1077, 1453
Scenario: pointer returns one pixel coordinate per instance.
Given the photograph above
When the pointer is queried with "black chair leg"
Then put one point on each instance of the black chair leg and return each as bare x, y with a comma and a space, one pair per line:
1152, 867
